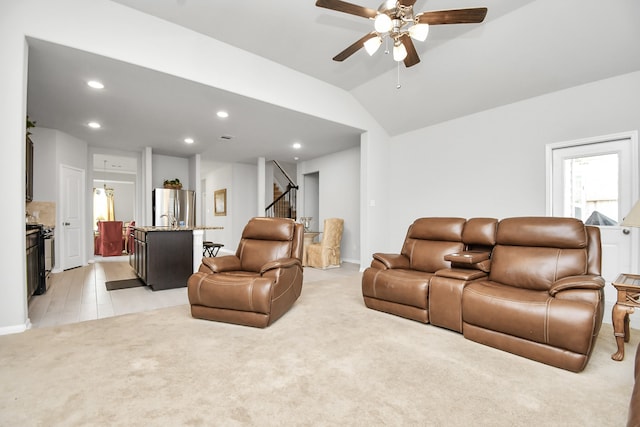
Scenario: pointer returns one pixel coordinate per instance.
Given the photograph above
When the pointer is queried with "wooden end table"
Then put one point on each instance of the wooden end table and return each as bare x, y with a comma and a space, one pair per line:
628, 287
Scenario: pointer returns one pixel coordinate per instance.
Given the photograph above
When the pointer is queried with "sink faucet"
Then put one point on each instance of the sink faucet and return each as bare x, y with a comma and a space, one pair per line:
172, 220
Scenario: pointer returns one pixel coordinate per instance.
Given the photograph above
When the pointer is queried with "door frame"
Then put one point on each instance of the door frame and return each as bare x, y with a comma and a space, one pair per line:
630, 135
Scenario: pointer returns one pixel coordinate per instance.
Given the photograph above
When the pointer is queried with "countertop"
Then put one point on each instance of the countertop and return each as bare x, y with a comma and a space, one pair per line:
169, 228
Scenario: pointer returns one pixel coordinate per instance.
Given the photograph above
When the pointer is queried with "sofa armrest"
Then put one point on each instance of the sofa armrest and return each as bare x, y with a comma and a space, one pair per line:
221, 263
468, 257
464, 274
477, 260
392, 260
577, 282
280, 263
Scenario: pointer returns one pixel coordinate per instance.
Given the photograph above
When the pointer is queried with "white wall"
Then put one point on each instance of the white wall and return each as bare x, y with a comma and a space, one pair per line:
168, 168
240, 181
339, 195
44, 165
195, 182
311, 202
493, 163
219, 178
242, 199
375, 192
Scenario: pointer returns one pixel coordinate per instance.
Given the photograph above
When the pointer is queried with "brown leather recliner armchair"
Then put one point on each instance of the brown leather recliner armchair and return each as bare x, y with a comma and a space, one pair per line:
399, 283
544, 297
258, 284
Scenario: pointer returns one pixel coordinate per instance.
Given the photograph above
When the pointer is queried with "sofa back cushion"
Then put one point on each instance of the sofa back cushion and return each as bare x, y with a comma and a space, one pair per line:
268, 239
430, 239
480, 232
534, 252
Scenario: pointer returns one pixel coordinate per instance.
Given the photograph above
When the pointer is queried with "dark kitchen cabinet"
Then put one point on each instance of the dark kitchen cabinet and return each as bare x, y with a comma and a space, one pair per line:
138, 257
33, 262
163, 259
29, 170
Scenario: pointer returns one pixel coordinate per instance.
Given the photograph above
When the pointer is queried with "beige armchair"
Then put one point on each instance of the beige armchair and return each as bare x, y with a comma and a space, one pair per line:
326, 253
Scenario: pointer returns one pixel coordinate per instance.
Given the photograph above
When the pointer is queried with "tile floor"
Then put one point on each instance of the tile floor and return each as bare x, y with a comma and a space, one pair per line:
80, 294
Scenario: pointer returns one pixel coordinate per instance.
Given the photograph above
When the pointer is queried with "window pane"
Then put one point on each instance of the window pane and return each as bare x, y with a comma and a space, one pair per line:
591, 185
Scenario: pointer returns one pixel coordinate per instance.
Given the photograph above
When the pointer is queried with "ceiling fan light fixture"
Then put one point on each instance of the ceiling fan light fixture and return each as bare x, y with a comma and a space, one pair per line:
388, 5
399, 52
383, 23
419, 32
372, 45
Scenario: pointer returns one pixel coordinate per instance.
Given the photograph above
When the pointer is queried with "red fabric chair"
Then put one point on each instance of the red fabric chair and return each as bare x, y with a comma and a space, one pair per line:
110, 238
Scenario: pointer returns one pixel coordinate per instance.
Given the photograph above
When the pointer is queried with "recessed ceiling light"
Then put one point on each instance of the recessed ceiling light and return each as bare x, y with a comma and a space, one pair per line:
296, 158
297, 145
94, 125
188, 140
95, 84
222, 114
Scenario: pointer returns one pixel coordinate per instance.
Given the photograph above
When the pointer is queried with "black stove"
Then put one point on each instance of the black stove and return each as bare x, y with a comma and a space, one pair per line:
45, 237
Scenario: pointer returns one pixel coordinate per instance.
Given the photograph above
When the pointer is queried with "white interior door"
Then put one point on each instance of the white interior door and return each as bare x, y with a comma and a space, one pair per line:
595, 180
72, 224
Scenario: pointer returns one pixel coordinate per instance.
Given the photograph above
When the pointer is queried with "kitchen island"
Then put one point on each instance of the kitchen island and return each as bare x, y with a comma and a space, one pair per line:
164, 257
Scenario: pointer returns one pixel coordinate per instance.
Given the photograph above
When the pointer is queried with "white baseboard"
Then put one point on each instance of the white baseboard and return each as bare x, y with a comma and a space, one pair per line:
15, 329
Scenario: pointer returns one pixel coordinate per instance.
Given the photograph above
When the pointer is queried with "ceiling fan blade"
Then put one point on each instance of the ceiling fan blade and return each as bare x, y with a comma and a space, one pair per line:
353, 48
458, 16
407, 2
412, 56
343, 6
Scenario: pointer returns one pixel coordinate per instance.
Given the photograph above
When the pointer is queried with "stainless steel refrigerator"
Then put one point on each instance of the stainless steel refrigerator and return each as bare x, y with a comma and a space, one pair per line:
171, 204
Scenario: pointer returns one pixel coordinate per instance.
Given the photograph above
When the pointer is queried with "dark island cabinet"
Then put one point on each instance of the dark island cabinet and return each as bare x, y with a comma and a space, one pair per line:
163, 259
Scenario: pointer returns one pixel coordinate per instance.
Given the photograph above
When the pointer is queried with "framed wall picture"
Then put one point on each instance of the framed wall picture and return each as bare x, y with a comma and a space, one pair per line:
220, 202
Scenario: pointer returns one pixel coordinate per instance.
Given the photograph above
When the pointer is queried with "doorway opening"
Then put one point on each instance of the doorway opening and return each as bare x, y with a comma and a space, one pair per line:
114, 196
312, 199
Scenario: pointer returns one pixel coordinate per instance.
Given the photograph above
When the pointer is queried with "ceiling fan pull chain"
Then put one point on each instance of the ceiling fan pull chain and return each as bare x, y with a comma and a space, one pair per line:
386, 45
398, 86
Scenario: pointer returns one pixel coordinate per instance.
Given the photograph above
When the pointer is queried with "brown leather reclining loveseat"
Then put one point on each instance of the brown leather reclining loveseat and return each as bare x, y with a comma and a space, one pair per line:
530, 286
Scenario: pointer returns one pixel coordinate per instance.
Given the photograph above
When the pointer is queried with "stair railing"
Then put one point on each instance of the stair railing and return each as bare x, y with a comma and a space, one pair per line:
285, 205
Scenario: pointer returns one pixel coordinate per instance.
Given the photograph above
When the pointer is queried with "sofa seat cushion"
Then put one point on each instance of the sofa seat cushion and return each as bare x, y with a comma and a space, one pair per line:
530, 314
232, 291
407, 287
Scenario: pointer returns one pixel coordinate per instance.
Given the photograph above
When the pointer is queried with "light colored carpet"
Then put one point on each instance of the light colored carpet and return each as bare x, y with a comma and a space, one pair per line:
328, 361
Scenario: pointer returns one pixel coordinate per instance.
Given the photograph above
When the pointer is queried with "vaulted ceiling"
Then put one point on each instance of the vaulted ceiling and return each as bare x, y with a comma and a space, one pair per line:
523, 49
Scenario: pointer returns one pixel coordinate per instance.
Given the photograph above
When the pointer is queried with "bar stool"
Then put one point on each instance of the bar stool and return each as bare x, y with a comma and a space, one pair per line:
210, 249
